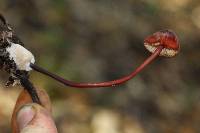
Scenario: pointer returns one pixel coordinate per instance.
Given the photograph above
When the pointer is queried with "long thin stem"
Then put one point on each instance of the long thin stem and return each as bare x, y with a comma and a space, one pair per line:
100, 84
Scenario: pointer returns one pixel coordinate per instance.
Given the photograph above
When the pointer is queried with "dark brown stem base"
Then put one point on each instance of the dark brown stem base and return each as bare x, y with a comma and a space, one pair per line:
31, 89
100, 84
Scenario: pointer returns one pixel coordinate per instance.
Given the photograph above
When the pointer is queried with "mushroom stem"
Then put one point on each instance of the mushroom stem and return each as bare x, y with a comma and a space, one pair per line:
100, 84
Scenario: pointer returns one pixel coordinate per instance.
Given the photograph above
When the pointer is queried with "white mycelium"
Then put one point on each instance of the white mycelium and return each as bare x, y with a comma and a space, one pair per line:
21, 56
165, 52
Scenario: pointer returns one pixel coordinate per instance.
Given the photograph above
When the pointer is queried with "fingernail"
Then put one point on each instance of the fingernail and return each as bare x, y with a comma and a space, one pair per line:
25, 115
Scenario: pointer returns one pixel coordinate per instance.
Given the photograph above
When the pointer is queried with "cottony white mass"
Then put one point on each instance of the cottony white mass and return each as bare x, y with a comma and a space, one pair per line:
21, 56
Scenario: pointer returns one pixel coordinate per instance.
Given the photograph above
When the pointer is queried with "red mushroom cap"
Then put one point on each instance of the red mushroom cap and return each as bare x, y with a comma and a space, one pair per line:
166, 38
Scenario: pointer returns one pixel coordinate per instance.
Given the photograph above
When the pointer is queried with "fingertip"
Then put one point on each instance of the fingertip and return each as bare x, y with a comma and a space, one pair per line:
33, 117
25, 116
25, 99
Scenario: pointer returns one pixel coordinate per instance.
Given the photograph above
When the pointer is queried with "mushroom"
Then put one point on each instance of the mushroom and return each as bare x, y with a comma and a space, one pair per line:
165, 38
18, 61
162, 43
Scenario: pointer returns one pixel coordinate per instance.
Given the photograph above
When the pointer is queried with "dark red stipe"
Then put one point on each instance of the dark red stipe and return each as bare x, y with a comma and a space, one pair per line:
100, 84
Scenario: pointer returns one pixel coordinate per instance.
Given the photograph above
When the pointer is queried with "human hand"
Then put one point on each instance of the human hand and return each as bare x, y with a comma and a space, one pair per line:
30, 117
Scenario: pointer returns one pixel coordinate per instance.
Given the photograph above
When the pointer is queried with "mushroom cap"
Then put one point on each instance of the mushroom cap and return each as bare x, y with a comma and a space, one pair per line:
166, 38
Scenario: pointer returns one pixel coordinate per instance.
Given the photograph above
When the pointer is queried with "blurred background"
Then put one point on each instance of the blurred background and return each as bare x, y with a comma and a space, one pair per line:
98, 40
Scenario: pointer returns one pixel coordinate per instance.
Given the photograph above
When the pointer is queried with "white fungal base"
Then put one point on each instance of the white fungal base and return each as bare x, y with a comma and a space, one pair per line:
165, 52
21, 56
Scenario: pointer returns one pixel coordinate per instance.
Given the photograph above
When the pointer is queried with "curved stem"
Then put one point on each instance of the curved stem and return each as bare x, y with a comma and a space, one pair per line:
99, 84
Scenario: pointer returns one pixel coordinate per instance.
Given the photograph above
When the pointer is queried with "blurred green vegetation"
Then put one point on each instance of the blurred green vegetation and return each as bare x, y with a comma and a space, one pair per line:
97, 40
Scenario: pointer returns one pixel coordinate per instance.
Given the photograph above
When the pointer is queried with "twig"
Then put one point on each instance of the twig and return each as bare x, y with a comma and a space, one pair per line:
31, 89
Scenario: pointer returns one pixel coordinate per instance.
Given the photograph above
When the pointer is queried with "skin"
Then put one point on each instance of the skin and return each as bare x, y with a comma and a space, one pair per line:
29, 117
